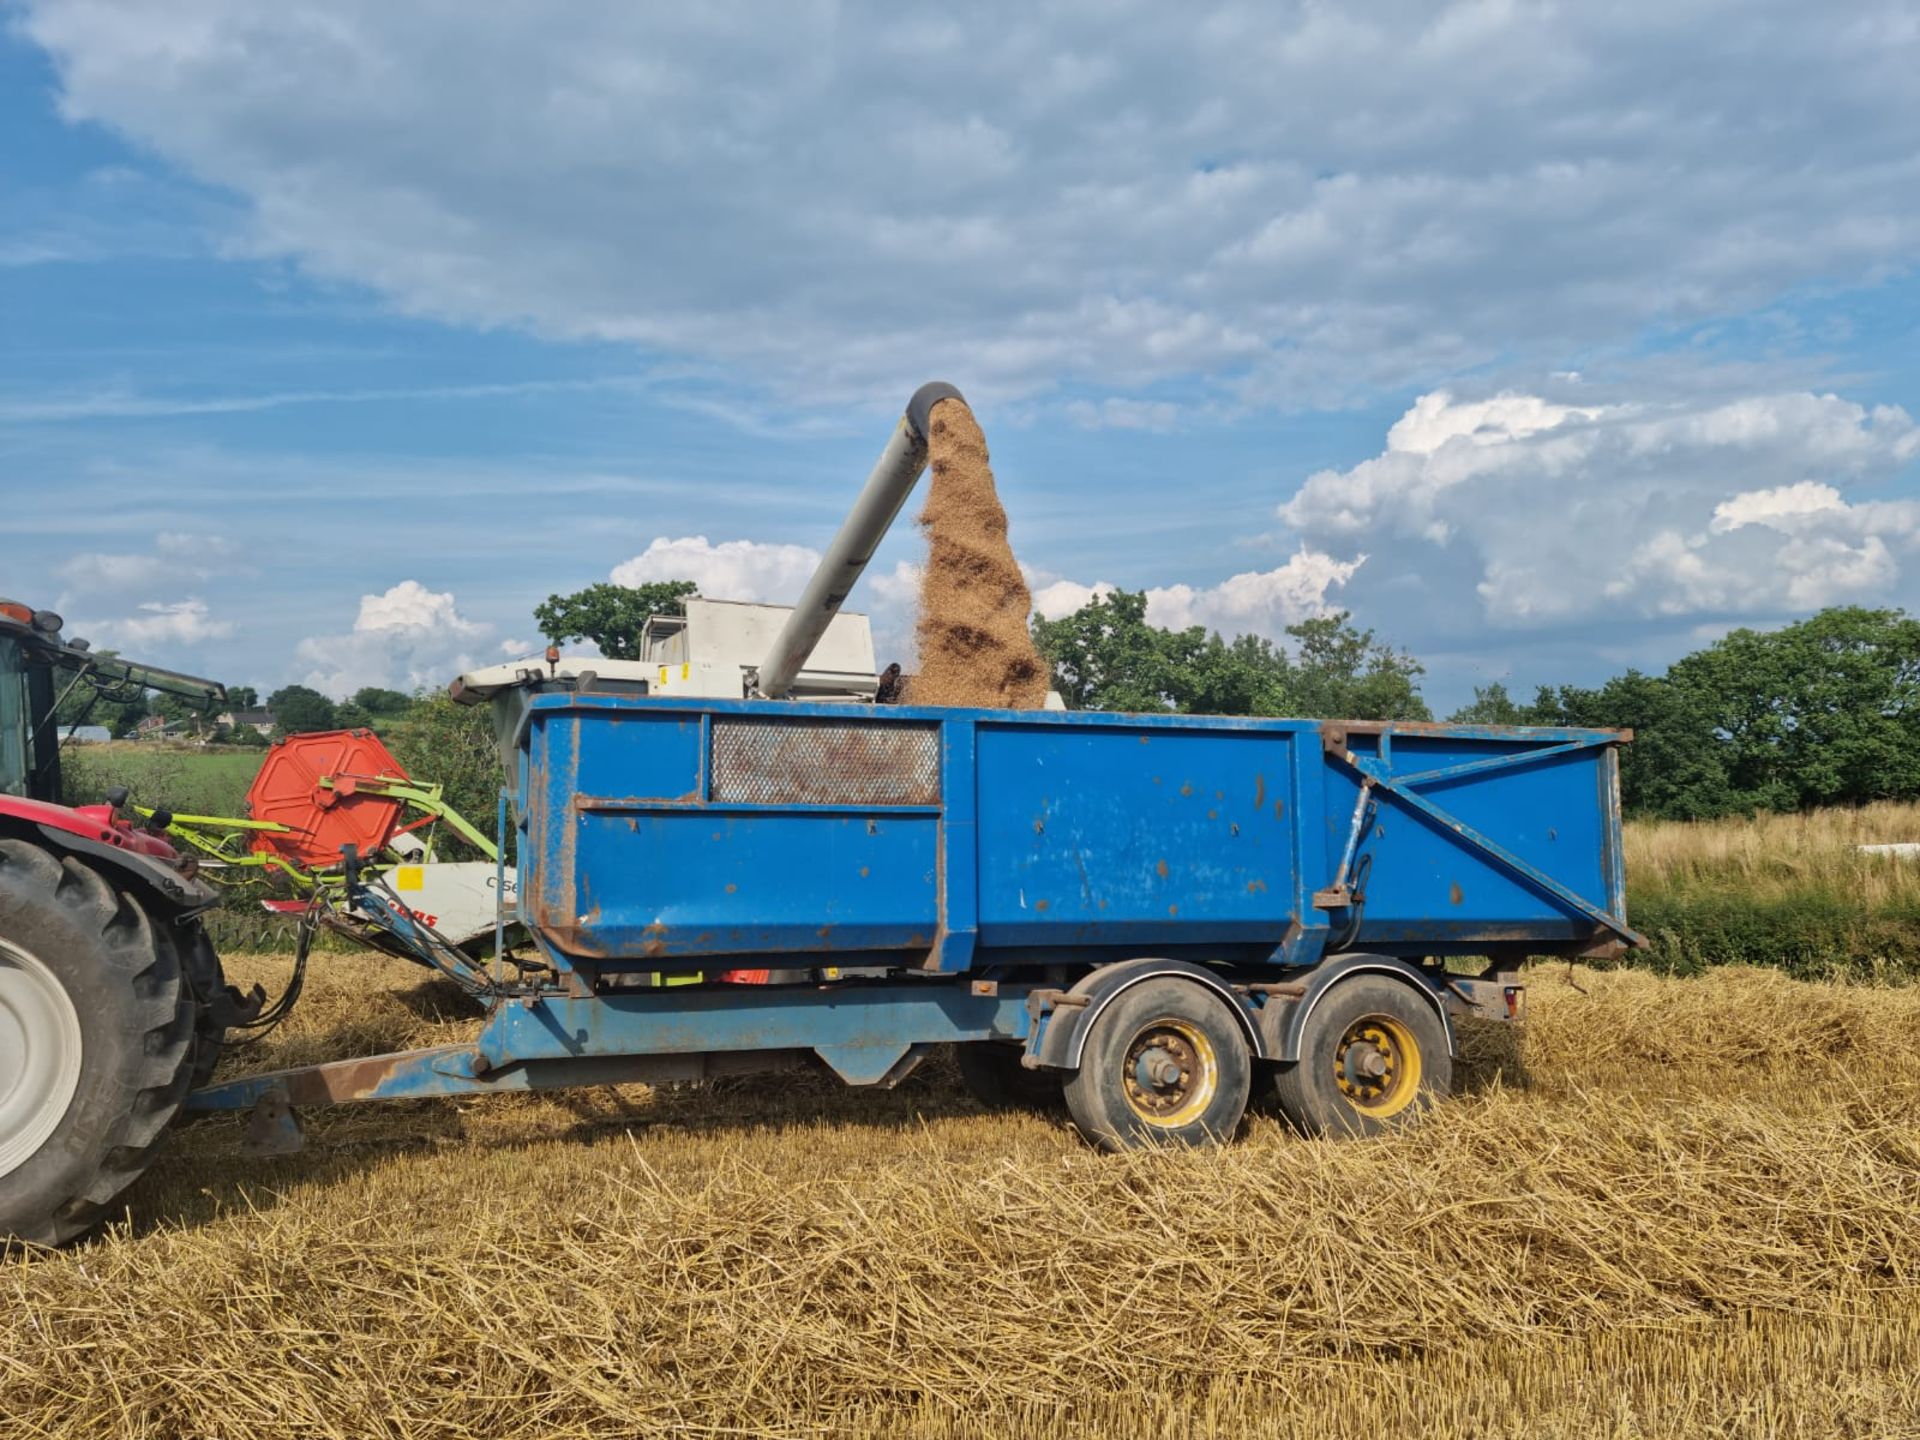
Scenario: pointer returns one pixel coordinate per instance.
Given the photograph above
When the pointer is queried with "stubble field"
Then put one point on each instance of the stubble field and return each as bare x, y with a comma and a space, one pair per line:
1672, 1207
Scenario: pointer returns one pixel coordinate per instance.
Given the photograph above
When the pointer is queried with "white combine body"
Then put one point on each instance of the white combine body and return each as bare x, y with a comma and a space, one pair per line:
712, 651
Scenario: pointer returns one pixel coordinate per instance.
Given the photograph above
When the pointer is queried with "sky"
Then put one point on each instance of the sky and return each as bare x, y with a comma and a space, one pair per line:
1547, 340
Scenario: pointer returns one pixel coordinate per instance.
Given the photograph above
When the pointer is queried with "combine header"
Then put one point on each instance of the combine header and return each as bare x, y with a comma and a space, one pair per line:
1144, 914
322, 796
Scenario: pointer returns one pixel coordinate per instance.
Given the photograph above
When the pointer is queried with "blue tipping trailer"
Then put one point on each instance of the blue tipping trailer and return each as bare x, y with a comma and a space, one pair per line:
664, 835
1145, 911
1138, 913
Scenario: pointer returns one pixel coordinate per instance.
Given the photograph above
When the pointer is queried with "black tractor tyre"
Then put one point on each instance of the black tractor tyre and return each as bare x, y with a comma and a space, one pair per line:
1373, 1057
994, 1076
216, 1004
1166, 1064
96, 952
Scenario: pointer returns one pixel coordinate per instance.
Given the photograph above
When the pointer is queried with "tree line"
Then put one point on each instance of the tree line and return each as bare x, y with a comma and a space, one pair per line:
1825, 711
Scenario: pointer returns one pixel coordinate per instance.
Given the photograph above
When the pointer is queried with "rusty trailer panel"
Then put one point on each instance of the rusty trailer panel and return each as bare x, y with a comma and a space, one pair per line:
661, 833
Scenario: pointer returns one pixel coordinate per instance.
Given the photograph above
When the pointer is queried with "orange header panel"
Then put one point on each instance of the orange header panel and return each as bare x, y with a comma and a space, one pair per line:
324, 818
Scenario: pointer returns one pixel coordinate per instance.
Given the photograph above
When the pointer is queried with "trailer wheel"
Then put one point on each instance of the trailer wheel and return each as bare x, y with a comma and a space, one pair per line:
995, 1077
1373, 1056
96, 1038
1165, 1064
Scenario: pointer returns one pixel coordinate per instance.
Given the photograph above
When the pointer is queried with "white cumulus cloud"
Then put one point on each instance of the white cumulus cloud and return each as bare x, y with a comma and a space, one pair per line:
176, 557
410, 606
1289, 202
1054, 597
729, 570
405, 638
158, 625
1524, 513
1256, 602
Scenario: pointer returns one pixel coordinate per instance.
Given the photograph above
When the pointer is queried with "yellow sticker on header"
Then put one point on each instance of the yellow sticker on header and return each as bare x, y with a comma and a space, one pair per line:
408, 877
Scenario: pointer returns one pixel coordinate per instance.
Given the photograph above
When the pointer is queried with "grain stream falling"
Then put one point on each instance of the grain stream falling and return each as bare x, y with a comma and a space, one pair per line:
975, 648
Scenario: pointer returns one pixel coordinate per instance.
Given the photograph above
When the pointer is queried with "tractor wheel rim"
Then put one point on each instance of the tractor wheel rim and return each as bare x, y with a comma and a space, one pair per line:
1377, 1066
39, 1055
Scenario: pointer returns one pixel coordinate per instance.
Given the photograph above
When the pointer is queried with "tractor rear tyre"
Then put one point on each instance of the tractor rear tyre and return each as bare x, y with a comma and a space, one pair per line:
1373, 1056
995, 1077
216, 1004
1165, 1064
96, 1042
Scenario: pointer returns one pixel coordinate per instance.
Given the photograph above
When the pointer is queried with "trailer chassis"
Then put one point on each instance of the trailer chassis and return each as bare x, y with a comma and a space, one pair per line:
870, 1033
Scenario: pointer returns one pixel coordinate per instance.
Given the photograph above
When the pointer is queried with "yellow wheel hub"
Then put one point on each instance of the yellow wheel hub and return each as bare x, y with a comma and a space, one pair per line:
1171, 1074
1377, 1066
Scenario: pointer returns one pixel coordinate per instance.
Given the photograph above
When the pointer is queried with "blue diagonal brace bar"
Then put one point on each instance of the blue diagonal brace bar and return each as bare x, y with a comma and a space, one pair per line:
1497, 762
1491, 849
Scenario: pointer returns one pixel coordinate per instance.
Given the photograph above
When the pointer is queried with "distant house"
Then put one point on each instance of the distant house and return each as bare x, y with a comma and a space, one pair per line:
258, 721
87, 735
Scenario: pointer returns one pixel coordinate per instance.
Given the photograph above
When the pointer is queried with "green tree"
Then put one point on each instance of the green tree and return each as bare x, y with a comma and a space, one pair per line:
298, 710
1248, 675
1106, 656
452, 745
610, 615
375, 700
1343, 673
1491, 706
242, 697
1675, 766
1823, 712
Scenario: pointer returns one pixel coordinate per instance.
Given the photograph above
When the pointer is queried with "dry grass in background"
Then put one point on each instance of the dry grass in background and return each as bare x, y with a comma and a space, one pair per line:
1675, 1207
1791, 891
1772, 857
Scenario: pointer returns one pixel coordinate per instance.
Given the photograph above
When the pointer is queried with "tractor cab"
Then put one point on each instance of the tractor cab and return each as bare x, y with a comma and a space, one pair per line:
40, 671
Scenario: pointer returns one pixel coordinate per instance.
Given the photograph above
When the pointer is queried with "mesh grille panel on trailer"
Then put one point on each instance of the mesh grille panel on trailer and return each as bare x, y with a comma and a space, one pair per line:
825, 762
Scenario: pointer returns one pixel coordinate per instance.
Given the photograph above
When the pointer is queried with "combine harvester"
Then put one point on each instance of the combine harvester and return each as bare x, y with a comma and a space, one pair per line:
1143, 913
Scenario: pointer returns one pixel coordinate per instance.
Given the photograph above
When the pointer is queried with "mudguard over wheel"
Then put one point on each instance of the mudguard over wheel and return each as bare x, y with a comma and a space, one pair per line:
1165, 1064
1372, 1057
97, 1030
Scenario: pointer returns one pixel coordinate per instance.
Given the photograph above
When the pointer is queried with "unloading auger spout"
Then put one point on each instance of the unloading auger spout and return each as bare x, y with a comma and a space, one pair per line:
873, 514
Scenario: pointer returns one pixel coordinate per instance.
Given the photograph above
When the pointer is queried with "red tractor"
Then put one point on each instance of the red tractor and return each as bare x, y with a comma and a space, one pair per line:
112, 1001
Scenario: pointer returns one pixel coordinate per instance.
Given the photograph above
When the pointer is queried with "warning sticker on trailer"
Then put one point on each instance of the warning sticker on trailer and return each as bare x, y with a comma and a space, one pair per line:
407, 877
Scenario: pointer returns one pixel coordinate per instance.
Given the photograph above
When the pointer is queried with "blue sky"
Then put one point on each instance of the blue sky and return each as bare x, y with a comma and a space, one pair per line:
1547, 340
